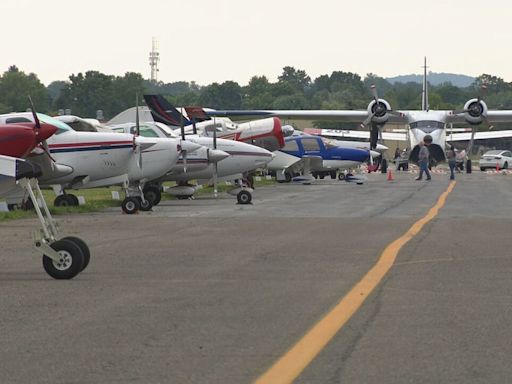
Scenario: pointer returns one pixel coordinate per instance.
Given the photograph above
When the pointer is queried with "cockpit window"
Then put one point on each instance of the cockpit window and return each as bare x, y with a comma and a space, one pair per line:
427, 126
291, 146
61, 127
329, 144
310, 145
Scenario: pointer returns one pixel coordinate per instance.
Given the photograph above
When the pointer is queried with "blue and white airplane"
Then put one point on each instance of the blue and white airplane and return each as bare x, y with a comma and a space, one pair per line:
312, 155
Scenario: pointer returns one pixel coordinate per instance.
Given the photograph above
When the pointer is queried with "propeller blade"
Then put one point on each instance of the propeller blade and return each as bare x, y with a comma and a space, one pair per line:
137, 120
215, 168
373, 89
34, 114
184, 152
182, 126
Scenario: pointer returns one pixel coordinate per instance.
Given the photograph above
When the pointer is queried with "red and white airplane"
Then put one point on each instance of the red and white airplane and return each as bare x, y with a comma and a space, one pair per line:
62, 258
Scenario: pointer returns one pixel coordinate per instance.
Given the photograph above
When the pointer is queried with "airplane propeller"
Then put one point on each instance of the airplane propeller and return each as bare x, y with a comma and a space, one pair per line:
215, 169
37, 128
183, 151
137, 130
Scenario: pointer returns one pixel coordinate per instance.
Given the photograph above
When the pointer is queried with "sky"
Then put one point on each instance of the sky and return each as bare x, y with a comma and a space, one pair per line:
219, 40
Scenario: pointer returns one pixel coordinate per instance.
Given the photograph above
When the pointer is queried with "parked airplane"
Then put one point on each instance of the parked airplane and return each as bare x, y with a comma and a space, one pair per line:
424, 125
314, 156
62, 258
98, 159
226, 159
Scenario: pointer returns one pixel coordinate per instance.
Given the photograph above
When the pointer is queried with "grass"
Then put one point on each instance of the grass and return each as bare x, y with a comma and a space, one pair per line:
98, 199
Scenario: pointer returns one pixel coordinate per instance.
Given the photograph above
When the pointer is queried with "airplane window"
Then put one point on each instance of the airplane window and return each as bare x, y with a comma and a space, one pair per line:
310, 145
291, 146
61, 126
13, 120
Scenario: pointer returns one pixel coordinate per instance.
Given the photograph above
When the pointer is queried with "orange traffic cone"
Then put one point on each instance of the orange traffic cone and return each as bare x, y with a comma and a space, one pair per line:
497, 166
390, 175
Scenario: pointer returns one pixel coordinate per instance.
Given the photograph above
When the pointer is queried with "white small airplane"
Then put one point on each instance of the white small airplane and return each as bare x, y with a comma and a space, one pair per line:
63, 258
99, 159
217, 159
425, 125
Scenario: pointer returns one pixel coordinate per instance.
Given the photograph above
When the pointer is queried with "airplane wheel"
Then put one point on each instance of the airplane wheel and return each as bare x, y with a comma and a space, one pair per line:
288, 177
341, 176
482, 169
333, 175
153, 194
27, 205
65, 201
71, 260
244, 197
130, 205
145, 205
83, 247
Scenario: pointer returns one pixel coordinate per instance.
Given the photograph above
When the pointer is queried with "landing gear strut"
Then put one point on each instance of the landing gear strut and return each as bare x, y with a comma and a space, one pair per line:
64, 258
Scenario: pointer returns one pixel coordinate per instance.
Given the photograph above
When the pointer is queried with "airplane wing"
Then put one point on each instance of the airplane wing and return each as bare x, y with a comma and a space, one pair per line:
494, 116
349, 116
479, 135
396, 136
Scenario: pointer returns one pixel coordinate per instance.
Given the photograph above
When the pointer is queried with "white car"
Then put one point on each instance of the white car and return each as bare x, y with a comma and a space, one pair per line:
491, 159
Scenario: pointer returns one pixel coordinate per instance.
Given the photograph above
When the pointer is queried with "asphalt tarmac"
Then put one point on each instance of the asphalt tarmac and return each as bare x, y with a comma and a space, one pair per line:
208, 291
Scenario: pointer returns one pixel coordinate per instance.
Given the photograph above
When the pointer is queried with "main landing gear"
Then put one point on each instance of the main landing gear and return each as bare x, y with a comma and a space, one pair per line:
64, 258
135, 200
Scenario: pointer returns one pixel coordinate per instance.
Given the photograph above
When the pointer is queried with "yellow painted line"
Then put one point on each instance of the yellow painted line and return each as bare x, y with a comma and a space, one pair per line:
291, 364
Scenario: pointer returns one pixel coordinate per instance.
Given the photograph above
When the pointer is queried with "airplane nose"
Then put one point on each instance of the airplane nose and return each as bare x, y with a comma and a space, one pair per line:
216, 155
287, 130
374, 154
189, 146
46, 131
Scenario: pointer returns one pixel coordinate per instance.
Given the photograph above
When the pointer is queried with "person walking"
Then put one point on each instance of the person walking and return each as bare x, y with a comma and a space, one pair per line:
452, 161
423, 159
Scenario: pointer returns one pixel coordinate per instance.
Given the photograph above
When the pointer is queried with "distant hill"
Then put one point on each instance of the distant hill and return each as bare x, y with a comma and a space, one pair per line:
435, 79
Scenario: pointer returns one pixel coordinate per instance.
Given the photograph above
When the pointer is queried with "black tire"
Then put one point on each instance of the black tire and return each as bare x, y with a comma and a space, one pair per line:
71, 263
469, 166
288, 177
73, 199
27, 205
130, 205
183, 197
244, 197
153, 194
83, 247
482, 169
321, 176
505, 165
333, 175
145, 205
65, 201
341, 176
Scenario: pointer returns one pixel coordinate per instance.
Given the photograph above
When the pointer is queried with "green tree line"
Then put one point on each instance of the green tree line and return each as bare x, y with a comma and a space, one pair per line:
86, 93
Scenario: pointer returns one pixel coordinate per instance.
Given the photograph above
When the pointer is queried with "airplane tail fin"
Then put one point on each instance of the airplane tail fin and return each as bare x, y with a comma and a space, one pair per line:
163, 112
424, 93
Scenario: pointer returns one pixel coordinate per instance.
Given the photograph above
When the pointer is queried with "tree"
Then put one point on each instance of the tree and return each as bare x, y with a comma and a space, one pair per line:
296, 78
16, 86
227, 95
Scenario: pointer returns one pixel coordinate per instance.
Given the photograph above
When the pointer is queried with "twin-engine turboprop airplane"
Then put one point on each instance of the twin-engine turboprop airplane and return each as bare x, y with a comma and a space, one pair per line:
98, 159
424, 125
314, 156
62, 258
218, 158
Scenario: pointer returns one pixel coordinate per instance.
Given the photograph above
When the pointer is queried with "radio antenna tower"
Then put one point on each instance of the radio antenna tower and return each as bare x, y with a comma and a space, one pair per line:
154, 58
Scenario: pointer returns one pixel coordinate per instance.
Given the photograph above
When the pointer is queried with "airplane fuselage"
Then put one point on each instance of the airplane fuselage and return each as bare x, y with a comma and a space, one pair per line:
431, 123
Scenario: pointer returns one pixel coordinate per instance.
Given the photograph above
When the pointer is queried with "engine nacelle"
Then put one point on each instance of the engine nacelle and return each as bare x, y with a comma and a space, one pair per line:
476, 111
379, 110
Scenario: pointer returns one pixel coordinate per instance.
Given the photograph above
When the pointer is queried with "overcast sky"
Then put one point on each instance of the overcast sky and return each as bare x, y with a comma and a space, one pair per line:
218, 40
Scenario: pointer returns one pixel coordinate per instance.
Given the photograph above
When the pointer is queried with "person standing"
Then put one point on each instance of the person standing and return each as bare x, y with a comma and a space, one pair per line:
452, 161
423, 159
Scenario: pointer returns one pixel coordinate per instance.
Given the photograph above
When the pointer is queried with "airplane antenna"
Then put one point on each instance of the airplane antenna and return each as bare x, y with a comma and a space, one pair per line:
424, 94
